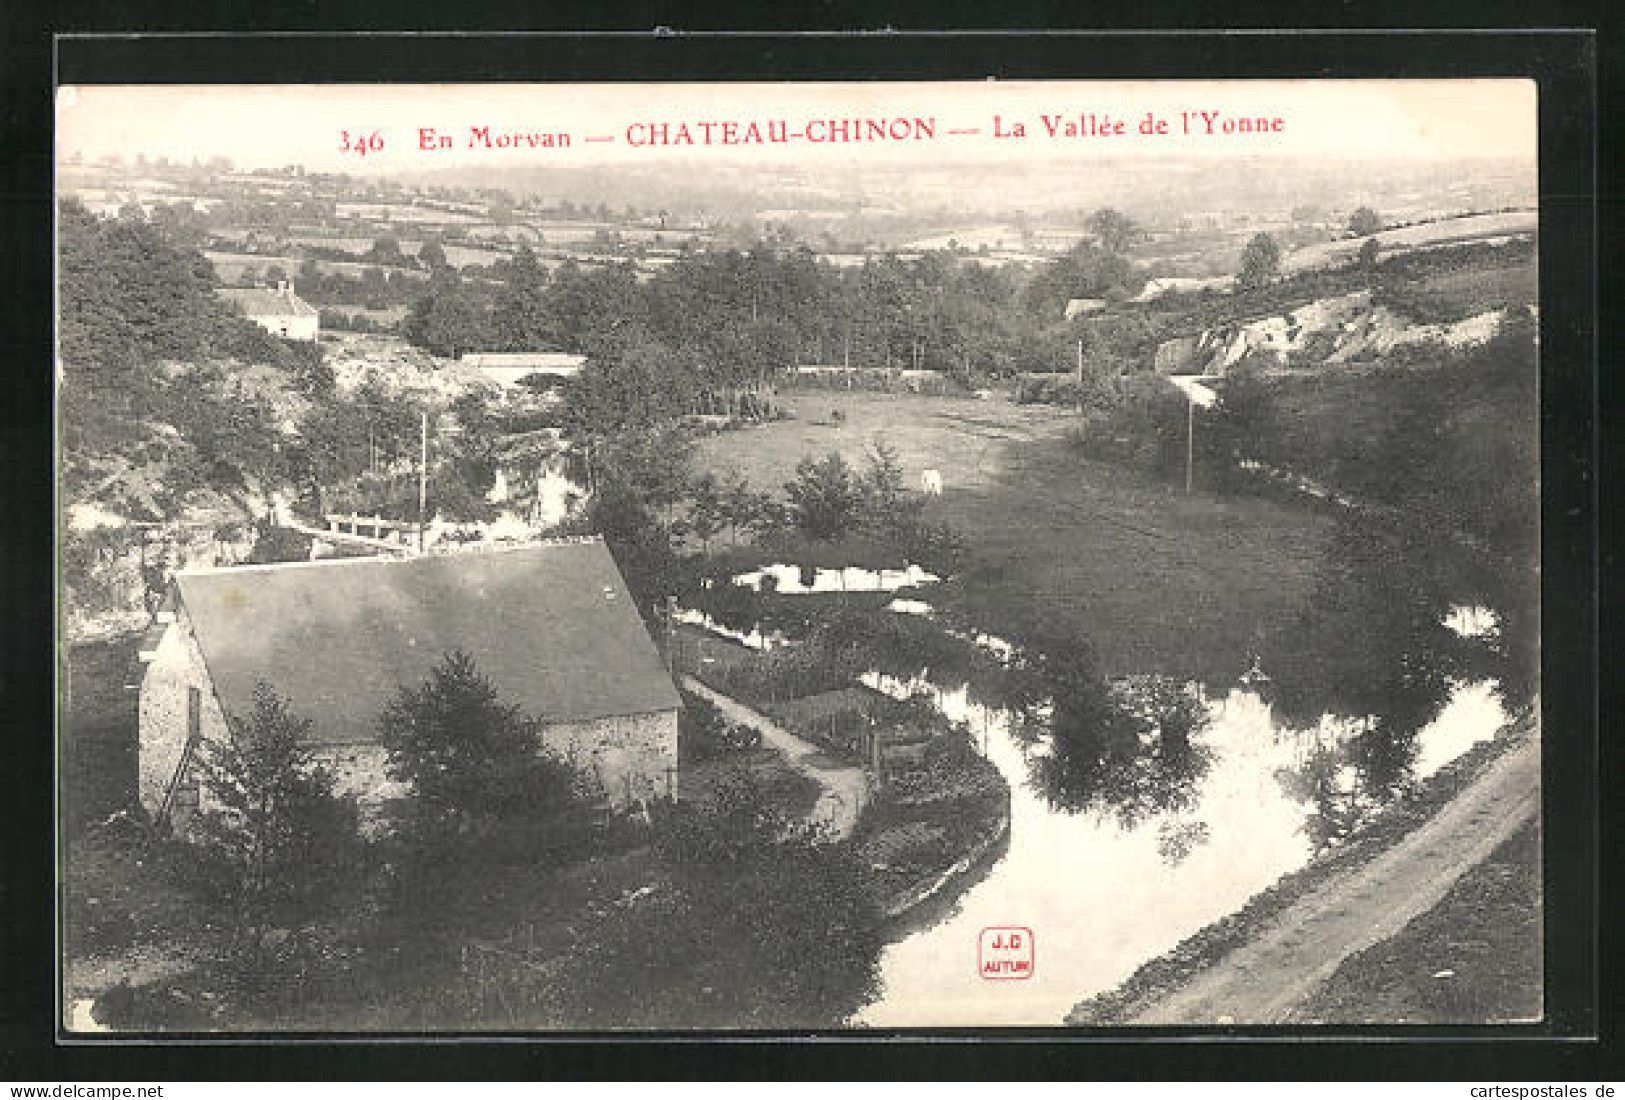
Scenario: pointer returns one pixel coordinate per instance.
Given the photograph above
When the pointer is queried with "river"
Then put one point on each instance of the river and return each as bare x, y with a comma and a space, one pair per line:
1102, 897
1161, 841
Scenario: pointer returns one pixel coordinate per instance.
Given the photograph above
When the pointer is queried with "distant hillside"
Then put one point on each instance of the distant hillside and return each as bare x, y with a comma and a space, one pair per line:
1451, 295
1434, 234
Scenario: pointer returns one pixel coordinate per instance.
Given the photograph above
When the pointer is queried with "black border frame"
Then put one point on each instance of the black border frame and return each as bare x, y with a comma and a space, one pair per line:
1564, 63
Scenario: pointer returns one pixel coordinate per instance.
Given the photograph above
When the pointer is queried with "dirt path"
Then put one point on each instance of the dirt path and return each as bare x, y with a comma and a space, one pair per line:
844, 787
1261, 981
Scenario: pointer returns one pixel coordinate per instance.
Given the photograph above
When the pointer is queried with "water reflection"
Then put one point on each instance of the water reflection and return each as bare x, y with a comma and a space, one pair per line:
1401, 625
1101, 896
1130, 750
1105, 890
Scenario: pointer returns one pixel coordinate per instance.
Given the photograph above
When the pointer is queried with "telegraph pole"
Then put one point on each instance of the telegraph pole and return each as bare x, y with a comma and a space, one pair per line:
1080, 375
1190, 438
1195, 394
671, 634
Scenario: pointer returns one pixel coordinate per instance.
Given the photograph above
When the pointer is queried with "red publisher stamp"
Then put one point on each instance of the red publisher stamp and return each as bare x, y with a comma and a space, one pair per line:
1005, 954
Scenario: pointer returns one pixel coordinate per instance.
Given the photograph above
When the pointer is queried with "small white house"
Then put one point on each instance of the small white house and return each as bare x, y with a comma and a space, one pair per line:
280, 312
1078, 307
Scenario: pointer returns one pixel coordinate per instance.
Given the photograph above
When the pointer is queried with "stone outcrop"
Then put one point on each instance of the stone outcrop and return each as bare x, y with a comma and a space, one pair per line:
1329, 330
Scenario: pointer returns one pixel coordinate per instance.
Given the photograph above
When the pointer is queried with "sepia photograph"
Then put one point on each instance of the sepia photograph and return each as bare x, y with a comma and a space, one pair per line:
845, 556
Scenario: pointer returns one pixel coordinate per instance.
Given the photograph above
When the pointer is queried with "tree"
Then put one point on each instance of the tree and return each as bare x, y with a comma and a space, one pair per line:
387, 250
826, 497
1364, 222
1085, 271
1115, 230
710, 509
520, 320
887, 505
280, 844
472, 762
746, 510
1367, 257
770, 926
433, 257
1260, 262
447, 321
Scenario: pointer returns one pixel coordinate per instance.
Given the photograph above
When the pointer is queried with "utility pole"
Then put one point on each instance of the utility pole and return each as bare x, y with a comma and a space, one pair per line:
1195, 394
423, 476
1190, 439
1080, 375
671, 634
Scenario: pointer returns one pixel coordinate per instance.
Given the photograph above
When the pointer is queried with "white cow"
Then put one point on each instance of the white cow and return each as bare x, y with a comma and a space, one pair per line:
931, 482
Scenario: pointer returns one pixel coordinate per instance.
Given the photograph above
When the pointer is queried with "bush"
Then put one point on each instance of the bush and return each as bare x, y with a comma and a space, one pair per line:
704, 734
273, 543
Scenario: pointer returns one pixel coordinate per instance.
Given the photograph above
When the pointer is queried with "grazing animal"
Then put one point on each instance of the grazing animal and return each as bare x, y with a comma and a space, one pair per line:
931, 482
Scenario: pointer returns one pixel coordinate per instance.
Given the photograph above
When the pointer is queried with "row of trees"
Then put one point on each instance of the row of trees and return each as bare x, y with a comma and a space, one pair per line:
744, 312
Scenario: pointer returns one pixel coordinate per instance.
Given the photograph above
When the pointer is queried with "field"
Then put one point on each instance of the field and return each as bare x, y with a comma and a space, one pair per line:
1427, 235
1160, 581
229, 266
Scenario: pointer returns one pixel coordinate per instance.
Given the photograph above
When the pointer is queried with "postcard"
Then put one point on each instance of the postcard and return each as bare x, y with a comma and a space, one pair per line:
560, 558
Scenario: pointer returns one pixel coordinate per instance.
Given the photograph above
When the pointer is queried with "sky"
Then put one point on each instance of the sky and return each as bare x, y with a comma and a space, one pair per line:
277, 125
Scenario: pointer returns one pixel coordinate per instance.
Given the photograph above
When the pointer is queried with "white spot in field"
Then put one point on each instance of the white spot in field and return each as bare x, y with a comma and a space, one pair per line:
1444, 974
1472, 621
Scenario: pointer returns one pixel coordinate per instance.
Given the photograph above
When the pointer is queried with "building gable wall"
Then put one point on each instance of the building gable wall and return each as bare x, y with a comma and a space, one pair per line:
177, 665
293, 326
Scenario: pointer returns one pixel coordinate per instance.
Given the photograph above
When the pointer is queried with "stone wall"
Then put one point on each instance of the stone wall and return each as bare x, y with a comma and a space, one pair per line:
632, 758
177, 665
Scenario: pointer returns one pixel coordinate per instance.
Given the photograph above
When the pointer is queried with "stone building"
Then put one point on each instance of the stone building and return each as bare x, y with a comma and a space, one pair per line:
280, 312
552, 626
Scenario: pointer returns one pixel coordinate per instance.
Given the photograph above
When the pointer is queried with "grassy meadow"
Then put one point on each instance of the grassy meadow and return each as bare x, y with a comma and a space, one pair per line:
1160, 581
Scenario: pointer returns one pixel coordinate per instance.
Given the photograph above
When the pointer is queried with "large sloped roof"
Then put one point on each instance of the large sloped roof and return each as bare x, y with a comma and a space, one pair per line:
553, 627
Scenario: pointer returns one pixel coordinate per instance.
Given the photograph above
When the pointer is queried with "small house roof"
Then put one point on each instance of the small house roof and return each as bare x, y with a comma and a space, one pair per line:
553, 627
261, 302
